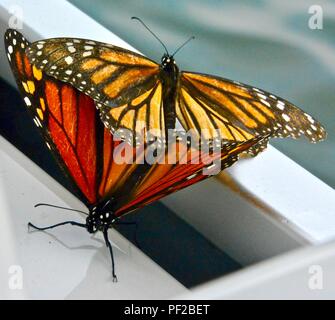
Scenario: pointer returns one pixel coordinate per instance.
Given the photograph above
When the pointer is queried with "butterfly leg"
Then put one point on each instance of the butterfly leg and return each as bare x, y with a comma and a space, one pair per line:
57, 225
108, 244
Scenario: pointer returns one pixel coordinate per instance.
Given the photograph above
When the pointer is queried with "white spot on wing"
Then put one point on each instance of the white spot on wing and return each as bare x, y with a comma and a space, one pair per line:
286, 117
309, 118
280, 105
266, 103
36, 123
68, 60
87, 53
262, 96
71, 49
39, 122
288, 127
27, 101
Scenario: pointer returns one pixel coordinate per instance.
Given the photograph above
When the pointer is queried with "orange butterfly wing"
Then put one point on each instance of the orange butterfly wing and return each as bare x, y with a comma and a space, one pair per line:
163, 180
124, 84
87, 151
239, 112
108, 74
66, 118
127, 89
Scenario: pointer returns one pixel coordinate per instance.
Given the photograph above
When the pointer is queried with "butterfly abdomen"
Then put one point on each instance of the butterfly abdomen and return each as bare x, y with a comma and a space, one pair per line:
169, 75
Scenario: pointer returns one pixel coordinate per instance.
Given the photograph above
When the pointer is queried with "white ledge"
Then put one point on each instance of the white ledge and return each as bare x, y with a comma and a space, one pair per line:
306, 274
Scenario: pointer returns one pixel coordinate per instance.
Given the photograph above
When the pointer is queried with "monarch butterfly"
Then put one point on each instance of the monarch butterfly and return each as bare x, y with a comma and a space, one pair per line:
86, 151
129, 89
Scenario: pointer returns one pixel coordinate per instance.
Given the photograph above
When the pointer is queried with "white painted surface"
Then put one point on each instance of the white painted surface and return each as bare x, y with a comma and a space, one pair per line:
300, 208
304, 274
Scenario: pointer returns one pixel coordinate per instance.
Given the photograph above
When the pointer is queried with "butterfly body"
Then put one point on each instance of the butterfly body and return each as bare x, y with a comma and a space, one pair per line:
101, 217
169, 77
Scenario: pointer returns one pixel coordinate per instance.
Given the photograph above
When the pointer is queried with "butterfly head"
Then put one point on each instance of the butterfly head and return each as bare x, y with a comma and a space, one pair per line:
101, 216
168, 62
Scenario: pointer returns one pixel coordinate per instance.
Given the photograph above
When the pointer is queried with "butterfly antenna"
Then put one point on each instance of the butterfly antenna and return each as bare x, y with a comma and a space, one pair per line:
183, 45
58, 207
145, 26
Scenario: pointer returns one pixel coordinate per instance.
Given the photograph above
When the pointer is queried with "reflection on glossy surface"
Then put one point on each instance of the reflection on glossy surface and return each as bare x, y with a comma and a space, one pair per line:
267, 44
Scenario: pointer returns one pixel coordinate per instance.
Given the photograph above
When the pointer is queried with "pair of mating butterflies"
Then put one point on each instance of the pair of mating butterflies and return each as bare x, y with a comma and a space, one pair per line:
70, 85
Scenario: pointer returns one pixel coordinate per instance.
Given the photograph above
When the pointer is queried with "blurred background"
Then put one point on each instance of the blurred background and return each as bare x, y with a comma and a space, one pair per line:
267, 44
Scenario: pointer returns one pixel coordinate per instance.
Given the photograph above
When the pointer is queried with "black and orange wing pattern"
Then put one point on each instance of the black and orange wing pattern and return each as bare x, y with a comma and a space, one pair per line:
139, 116
164, 179
108, 74
238, 112
124, 84
128, 91
66, 118
88, 153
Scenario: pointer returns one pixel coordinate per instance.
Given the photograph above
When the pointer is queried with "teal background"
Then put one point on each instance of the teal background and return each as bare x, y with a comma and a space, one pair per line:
267, 44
